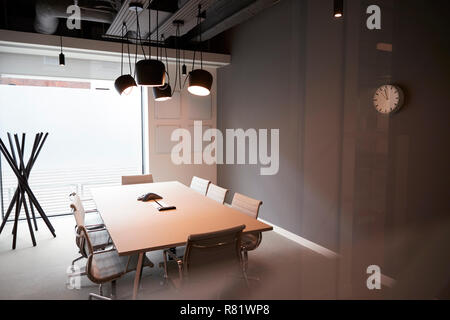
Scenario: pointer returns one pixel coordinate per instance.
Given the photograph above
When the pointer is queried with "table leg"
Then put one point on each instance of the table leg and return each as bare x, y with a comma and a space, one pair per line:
137, 278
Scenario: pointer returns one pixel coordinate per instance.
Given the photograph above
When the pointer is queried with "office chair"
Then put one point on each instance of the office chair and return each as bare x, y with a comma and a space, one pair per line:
209, 256
249, 206
200, 185
88, 218
216, 193
100, 238
144, 178
106, 266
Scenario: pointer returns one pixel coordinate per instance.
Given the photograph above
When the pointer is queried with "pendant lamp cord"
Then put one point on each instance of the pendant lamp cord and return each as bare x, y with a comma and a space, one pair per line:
177, 60
184, 56
157, 35
128, 47
121, 56
199, 25
139, 33
60, 38
167, 60
135, 60
200, 31
195, 49
150, 29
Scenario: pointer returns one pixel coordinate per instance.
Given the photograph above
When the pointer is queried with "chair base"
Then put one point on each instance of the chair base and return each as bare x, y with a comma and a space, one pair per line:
100, 295
80, 274
77, 274
97, 296
77, 259
245, 267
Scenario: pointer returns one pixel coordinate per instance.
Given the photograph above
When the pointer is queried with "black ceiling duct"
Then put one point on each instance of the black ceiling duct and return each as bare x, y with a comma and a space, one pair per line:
48, 13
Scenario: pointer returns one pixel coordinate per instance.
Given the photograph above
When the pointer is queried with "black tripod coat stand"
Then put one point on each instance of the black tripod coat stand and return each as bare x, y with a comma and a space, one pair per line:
22, 173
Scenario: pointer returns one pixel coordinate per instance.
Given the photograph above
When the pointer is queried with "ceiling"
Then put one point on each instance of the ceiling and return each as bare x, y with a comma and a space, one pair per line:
104, 19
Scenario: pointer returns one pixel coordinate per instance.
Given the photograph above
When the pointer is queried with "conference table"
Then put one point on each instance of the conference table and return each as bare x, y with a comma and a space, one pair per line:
137, 227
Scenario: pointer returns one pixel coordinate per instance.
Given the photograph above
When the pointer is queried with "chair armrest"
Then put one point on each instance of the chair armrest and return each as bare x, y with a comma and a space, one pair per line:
92, 227
97, 229
90, 210
103, 251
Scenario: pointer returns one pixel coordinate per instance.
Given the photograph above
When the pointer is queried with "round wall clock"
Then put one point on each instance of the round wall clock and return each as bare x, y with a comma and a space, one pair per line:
388, 99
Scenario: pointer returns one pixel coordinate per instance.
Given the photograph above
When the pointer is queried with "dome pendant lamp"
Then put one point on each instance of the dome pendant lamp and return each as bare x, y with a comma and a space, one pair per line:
125, 83
149, 72
200, 81
338, 8
163, 93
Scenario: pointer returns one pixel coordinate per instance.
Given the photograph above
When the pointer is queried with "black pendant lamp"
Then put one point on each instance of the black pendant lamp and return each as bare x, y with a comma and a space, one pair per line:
164, 92
125, 83
62, 58
338, 8
149, 72
184, 67
200, 81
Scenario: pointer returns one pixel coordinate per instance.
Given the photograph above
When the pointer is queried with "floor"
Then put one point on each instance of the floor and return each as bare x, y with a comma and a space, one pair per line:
286, 270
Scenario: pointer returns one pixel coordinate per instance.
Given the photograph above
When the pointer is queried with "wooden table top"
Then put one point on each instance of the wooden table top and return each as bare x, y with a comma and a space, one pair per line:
137, 226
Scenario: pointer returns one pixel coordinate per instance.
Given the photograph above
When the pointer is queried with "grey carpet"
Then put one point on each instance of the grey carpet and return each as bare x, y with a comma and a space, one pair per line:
285, 270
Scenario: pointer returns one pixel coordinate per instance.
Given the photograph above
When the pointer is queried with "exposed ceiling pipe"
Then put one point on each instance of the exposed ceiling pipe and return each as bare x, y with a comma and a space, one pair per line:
234, 19
49, 11
187, 11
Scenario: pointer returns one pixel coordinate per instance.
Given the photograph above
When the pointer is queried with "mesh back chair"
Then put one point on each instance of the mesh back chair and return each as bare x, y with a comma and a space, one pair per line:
99, 235
106, 266
246, 205
216, 193
209, 254
250, 207
144, 178
88, 218
200, 185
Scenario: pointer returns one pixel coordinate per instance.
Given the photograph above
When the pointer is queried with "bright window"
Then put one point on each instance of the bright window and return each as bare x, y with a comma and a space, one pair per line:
95, 136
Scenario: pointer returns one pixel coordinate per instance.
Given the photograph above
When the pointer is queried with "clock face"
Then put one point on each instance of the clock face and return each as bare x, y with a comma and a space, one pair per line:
388, 99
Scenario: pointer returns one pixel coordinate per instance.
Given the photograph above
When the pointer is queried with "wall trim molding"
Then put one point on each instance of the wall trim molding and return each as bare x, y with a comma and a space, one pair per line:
18, 42
303, 242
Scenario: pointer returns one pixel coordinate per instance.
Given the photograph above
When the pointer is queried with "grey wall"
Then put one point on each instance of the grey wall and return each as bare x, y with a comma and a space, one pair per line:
283, 76
373, 188
264, 94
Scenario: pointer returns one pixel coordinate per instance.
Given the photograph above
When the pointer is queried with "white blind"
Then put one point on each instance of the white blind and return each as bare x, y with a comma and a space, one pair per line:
94, 139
